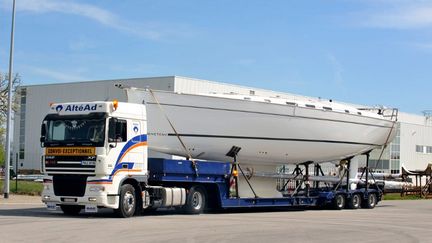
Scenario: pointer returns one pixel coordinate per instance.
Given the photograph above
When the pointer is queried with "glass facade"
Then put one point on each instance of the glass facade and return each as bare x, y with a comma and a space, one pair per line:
389, 160
23, 102
395, 153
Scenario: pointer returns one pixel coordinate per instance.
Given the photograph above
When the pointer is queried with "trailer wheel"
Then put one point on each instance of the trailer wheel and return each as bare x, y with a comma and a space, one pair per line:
370, 201
71, 210
354, 202
195, 200
128, 201
339, 202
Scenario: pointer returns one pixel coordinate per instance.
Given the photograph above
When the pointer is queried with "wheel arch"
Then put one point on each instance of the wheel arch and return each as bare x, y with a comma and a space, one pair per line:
138, 192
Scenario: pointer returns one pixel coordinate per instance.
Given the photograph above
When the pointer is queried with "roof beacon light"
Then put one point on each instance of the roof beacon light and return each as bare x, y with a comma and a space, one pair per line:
115, 104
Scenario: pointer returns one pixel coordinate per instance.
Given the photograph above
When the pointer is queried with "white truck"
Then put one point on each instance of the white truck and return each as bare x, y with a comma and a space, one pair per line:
95, 154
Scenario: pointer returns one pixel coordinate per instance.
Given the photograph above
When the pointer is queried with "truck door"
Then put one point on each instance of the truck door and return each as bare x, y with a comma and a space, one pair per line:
138, 147
117, 139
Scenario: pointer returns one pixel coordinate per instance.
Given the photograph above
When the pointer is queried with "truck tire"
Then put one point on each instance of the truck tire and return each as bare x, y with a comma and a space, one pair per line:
71, 210
338, 202
370, 201
127, 203
354, 202
195, 200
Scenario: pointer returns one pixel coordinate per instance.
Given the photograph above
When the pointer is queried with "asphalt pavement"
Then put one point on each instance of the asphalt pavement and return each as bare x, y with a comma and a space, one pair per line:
24, 219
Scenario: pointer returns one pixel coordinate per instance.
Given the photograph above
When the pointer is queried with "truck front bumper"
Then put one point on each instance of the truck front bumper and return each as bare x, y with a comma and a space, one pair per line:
107, 201
95, 196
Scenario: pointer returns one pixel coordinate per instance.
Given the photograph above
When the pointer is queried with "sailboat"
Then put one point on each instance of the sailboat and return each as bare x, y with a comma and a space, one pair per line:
264, 130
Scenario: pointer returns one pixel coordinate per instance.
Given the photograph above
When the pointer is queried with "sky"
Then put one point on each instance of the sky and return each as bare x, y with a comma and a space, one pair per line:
371, 52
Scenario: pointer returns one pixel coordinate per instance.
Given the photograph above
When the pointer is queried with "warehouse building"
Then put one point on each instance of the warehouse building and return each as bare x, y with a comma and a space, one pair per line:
412, 147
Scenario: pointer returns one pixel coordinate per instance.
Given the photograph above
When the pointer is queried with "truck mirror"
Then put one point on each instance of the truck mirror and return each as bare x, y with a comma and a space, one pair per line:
43, 130
43, 133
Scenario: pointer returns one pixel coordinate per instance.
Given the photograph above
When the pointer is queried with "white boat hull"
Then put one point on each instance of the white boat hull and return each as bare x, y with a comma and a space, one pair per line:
267, 133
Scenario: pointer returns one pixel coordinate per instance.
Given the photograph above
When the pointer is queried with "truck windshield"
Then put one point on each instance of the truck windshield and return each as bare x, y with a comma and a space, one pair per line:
72, 131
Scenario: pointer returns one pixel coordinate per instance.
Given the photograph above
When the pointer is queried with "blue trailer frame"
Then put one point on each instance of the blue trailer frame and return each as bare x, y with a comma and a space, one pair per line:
186, 172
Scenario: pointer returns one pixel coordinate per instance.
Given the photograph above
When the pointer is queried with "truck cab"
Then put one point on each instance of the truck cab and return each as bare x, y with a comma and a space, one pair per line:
89, 150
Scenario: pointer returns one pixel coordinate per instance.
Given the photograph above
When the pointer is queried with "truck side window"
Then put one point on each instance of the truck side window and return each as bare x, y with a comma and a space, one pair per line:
117, 130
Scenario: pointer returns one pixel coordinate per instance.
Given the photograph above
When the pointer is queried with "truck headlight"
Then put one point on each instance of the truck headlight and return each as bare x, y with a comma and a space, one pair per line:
97, 188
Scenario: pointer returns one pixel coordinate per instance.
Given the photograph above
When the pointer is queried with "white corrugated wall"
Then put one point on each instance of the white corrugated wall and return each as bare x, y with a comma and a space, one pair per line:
415, 130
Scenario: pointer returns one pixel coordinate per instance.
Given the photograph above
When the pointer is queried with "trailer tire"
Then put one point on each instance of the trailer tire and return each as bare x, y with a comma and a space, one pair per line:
71, 210
127, 203
371, 201
195, 200
354, 202
339, 202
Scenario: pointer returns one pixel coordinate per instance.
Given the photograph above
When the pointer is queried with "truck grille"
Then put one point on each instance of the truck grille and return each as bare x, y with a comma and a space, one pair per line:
70, 165
69, 185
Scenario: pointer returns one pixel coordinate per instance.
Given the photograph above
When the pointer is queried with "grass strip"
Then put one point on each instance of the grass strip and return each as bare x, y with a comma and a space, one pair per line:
397, 196
24, 187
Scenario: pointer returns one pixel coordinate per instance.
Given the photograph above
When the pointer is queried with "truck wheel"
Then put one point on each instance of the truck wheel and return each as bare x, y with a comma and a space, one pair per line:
370, 201
195, 200
128, 202
339, 202
71, 210
354, 202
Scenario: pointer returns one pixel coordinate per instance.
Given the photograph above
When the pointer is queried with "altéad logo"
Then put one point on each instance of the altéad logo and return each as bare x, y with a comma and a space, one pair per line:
59, 108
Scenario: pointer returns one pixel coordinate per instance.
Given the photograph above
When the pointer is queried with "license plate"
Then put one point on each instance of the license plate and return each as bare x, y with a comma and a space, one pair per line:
84, 162
69, 200
91, 209
51, 206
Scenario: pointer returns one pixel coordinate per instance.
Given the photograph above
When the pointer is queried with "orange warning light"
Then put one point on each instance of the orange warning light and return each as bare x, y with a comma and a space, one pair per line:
235, 173
115, 104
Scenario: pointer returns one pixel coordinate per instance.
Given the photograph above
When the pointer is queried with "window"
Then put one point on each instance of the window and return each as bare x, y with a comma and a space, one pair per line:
310, 106
347, 111
429, 149
88, 130
359, 113
419, 149
379, 164
327, 108
21, 154
247, 98
291, 103
395, 155
117, 130
267, 100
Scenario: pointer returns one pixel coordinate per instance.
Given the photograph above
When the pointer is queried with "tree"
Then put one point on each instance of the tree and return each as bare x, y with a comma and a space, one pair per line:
4, 86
